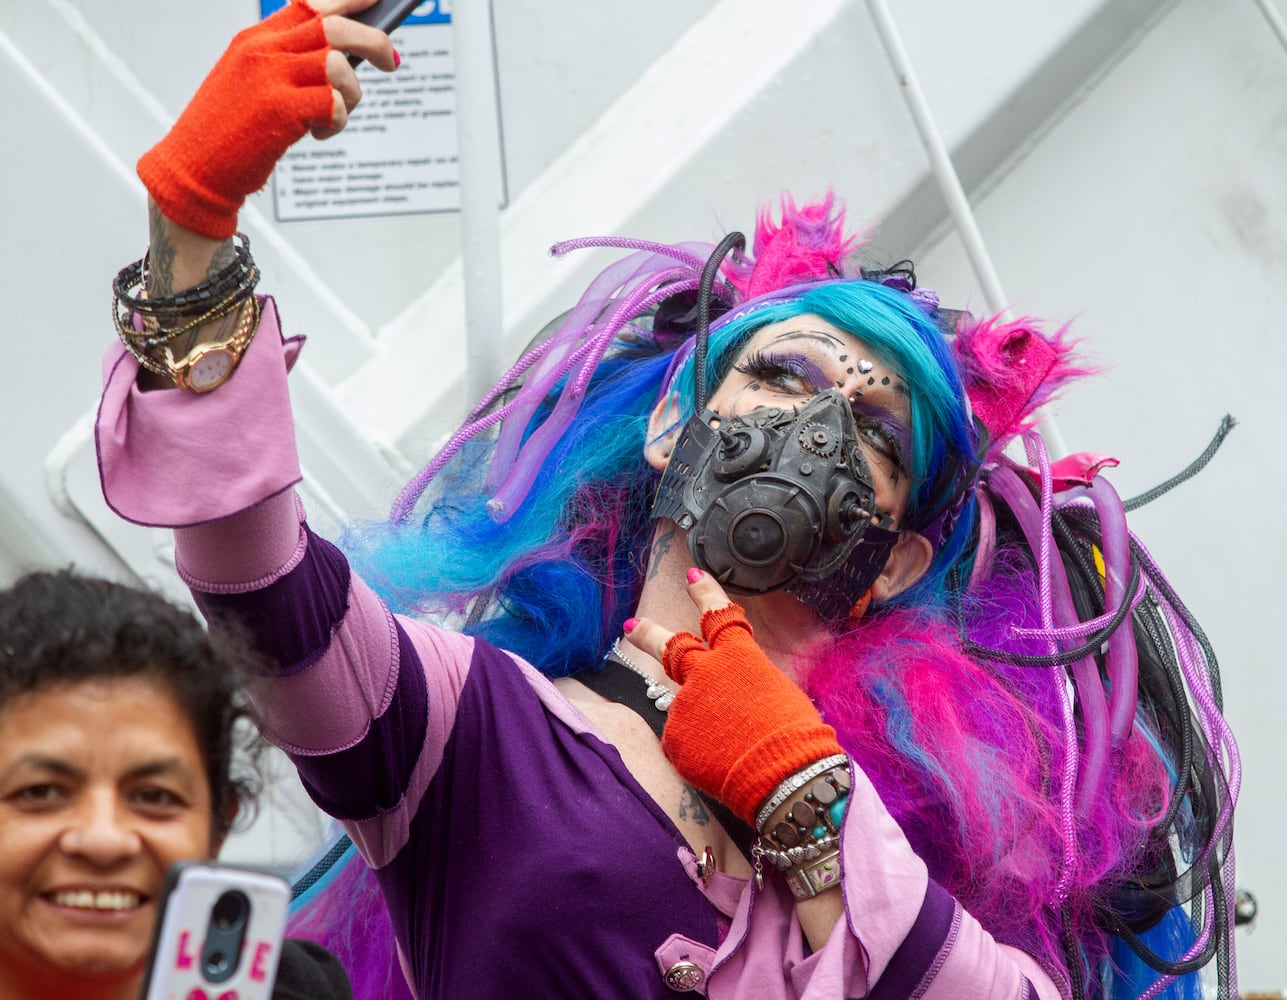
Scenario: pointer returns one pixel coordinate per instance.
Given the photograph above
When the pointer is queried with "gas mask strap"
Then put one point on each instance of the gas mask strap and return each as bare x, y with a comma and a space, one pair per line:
704, 290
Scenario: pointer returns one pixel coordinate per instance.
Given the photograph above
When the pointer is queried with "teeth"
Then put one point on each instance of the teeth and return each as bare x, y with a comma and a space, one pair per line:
83, 899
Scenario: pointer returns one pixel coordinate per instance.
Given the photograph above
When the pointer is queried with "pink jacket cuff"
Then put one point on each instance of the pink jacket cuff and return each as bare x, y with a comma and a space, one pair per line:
168, 458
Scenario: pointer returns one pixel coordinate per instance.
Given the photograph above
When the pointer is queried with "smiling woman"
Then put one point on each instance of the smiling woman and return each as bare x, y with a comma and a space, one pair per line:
121, 753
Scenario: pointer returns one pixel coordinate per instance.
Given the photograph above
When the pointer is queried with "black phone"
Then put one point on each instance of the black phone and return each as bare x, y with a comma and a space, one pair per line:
385, 15
218, 933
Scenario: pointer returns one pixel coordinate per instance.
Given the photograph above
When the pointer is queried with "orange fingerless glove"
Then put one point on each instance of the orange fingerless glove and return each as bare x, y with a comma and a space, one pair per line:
267, 90
738, 726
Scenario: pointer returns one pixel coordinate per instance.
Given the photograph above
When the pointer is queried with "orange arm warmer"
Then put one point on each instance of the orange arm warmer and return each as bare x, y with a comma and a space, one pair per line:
738, 726
267, 90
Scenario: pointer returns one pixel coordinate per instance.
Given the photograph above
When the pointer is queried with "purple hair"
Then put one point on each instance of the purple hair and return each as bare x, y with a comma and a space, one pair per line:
1043, 721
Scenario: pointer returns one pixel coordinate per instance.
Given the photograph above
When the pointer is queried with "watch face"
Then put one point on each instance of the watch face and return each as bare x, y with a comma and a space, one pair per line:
211, 370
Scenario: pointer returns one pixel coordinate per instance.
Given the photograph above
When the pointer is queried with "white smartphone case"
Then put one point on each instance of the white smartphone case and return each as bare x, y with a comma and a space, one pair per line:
219, 935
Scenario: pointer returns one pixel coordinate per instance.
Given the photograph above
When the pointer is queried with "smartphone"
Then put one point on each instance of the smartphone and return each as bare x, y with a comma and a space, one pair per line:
385, 15
218, 933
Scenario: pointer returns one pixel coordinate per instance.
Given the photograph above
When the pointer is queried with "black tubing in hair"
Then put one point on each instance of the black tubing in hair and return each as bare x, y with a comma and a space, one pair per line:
704, 290
1192, 469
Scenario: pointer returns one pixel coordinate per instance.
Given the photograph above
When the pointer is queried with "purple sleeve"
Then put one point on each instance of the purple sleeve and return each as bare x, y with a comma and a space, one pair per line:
293, 621
362, 701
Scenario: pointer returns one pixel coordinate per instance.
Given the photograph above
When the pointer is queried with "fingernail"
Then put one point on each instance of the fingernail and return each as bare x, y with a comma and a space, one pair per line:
397, 59
694, 575
629, 624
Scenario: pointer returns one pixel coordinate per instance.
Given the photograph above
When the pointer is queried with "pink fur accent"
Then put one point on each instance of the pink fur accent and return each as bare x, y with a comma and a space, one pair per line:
808, 245
1011, 369
966, 756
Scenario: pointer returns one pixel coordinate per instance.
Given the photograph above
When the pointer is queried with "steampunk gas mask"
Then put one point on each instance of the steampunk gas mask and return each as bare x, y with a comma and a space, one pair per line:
780, 499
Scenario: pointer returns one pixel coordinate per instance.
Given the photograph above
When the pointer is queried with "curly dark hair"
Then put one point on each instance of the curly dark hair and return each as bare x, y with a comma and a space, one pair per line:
61, 627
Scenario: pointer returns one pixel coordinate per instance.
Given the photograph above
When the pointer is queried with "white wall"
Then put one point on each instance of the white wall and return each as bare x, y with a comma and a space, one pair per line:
1128, 160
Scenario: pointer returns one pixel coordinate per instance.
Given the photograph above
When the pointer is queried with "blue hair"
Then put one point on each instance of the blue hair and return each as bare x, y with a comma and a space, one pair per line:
580, 539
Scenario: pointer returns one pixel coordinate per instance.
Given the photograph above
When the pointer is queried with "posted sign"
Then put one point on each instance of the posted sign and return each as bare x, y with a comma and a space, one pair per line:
399, 152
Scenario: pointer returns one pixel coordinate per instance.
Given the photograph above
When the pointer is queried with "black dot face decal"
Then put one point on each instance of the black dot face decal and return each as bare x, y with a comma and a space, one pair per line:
872, 380
885, 380
845, 357
849, 371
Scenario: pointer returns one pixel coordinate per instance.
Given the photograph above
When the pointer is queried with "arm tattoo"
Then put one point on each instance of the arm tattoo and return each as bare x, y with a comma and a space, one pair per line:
692, 807
160, 255
161, 281
659, 549
223, 256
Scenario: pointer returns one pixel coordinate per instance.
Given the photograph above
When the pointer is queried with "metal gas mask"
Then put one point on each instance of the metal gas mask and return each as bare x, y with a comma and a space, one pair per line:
780, 499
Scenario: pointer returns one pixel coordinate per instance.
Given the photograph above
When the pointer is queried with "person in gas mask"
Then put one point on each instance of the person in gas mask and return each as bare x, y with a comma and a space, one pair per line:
899, 765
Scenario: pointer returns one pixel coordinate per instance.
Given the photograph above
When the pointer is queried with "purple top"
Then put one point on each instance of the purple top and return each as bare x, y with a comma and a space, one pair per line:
518, 855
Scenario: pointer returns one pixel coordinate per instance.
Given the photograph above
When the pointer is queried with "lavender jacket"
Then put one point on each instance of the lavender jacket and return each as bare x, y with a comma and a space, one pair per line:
517, 854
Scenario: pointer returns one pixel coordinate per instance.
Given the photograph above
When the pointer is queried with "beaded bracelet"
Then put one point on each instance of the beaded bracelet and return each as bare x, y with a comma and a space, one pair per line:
130, 284
784, 859
797, 781
816, 816
155, 334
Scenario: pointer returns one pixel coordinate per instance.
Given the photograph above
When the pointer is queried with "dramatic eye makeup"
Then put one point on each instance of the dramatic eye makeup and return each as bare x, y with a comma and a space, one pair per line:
884, 432
785, 372
792, 372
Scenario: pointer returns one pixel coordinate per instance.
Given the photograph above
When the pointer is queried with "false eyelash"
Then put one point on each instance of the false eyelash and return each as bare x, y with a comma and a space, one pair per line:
762, 366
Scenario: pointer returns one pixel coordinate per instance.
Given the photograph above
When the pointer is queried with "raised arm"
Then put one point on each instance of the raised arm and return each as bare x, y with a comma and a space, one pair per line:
278, 80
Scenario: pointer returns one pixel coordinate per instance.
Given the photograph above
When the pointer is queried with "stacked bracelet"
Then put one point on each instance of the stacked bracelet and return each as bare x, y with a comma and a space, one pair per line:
130, 286
804, 844
148, 325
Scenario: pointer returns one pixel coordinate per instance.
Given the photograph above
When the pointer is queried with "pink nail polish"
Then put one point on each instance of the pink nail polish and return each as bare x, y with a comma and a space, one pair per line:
694, 575
629, 624
397, 59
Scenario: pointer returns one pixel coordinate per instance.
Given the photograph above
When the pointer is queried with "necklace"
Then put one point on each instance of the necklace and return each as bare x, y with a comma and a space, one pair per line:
660, 695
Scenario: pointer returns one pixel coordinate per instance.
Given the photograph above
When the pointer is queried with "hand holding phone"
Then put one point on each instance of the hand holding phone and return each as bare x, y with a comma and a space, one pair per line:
385, 15
218, 934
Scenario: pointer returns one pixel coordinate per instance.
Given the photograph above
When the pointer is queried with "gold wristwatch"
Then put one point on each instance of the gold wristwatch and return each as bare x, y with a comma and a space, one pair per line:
208, 366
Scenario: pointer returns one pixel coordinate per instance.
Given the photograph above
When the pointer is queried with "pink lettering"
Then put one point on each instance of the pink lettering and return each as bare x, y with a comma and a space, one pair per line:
183, 960
258, 972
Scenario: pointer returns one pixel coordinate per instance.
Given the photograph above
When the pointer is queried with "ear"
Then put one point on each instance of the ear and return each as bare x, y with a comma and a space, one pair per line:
663, 431
908, 561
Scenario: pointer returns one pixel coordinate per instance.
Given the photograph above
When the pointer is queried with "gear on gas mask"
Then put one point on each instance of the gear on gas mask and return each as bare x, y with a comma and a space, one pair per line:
780, 499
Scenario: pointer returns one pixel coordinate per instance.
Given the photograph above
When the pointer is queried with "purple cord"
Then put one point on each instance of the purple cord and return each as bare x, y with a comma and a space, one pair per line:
1121, 657
522, 471
579, 344
1004, 483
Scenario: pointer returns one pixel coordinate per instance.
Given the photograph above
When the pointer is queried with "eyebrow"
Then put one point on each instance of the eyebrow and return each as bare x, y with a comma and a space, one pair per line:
55, 765
818, 335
